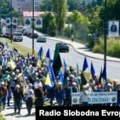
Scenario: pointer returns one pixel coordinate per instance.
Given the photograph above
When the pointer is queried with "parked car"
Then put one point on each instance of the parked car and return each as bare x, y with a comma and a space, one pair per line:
35, 35
41, 38
26, 31
62, 47
17, 36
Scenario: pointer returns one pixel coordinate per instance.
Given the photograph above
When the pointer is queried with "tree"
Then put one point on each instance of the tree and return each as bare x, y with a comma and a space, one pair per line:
49, 24
46, 5
60, 10
5, 9
79, 23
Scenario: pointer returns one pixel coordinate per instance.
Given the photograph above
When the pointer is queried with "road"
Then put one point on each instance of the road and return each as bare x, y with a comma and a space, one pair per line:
71, 58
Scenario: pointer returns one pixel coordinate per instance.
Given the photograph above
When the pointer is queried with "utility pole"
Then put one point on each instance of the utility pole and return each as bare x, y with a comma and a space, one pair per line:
105, 39
33, 27
11, 25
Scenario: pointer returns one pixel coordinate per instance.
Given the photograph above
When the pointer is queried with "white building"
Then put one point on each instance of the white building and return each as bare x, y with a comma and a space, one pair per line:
25, 5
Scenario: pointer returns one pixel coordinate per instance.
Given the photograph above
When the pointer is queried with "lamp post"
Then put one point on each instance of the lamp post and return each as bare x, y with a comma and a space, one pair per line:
11, 22
33, 27
105, 39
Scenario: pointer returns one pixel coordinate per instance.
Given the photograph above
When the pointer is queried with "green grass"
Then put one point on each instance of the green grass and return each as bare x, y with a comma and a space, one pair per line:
22, 49
1, 117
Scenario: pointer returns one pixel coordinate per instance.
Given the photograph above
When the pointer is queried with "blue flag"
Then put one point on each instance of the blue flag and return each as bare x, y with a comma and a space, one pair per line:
48, 54
21, 63
77, 67
104, 75
65, 65
92, 71
85, 64
61, 76
40, 51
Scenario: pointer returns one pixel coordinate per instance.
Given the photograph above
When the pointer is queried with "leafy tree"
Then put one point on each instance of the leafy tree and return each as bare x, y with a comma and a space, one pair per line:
46, 5
60, 10
80, 23
5, 9
49, 24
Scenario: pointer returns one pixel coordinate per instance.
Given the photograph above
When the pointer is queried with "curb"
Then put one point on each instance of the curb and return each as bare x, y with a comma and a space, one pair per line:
84, 53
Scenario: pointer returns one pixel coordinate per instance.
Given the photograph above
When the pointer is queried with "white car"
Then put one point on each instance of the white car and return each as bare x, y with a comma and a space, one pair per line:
17, 37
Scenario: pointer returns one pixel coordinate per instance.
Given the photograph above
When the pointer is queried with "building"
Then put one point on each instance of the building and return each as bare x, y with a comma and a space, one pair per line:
25, 5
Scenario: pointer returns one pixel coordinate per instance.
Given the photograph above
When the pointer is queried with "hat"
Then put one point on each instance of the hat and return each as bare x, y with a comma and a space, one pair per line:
59, 83
117, 83
30, 85
72, 76
25, 78
40, 84
2, 83
17, 86
13, 73
74, 83
17, 70
87, 85
109, 84
84, 86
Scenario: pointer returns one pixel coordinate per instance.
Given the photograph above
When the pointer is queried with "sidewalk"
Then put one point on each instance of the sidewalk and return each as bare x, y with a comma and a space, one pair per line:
81, 49
9, 114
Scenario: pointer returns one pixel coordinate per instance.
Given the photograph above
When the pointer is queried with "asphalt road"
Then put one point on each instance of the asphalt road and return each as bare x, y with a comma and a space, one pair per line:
71, 58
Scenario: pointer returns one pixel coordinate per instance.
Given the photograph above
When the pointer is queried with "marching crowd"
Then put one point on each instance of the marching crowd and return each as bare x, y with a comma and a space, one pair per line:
23, 80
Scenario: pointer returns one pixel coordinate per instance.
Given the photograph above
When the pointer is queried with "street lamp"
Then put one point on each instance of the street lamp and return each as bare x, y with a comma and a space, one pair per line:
11, 22
33, 27
105, 39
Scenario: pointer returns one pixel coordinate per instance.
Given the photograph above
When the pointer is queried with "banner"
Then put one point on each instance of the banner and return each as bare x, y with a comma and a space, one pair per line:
102, 97
113, 30
38, 22
75, 98
27, 21
94, 98
8, 21
14, 21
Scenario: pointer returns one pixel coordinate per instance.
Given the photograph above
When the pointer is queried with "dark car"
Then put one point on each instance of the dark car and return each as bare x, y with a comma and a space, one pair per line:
41, 38
35, 35
62, 47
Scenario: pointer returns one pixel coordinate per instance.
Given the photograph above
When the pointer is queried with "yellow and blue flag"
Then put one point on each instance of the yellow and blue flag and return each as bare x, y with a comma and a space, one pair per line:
50, 78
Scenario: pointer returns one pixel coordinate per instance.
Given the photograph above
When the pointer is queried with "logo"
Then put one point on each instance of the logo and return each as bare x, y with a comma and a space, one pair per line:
113, 99
38, 22
27, 21
75, 100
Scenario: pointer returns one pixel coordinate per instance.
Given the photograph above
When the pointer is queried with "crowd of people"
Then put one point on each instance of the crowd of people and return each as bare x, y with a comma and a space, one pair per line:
23, 80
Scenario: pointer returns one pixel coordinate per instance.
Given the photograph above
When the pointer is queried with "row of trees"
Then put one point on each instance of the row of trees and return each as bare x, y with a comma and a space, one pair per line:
5, 9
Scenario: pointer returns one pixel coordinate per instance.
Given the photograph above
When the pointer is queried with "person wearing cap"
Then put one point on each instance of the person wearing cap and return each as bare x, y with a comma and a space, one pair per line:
17, 95
59, 94
84, 95
37, 82
29, 98
118, 94
67, 98
39, 95
74, 87
3, 94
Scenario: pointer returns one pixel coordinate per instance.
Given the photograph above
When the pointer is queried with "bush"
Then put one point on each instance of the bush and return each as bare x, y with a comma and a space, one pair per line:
113, 47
